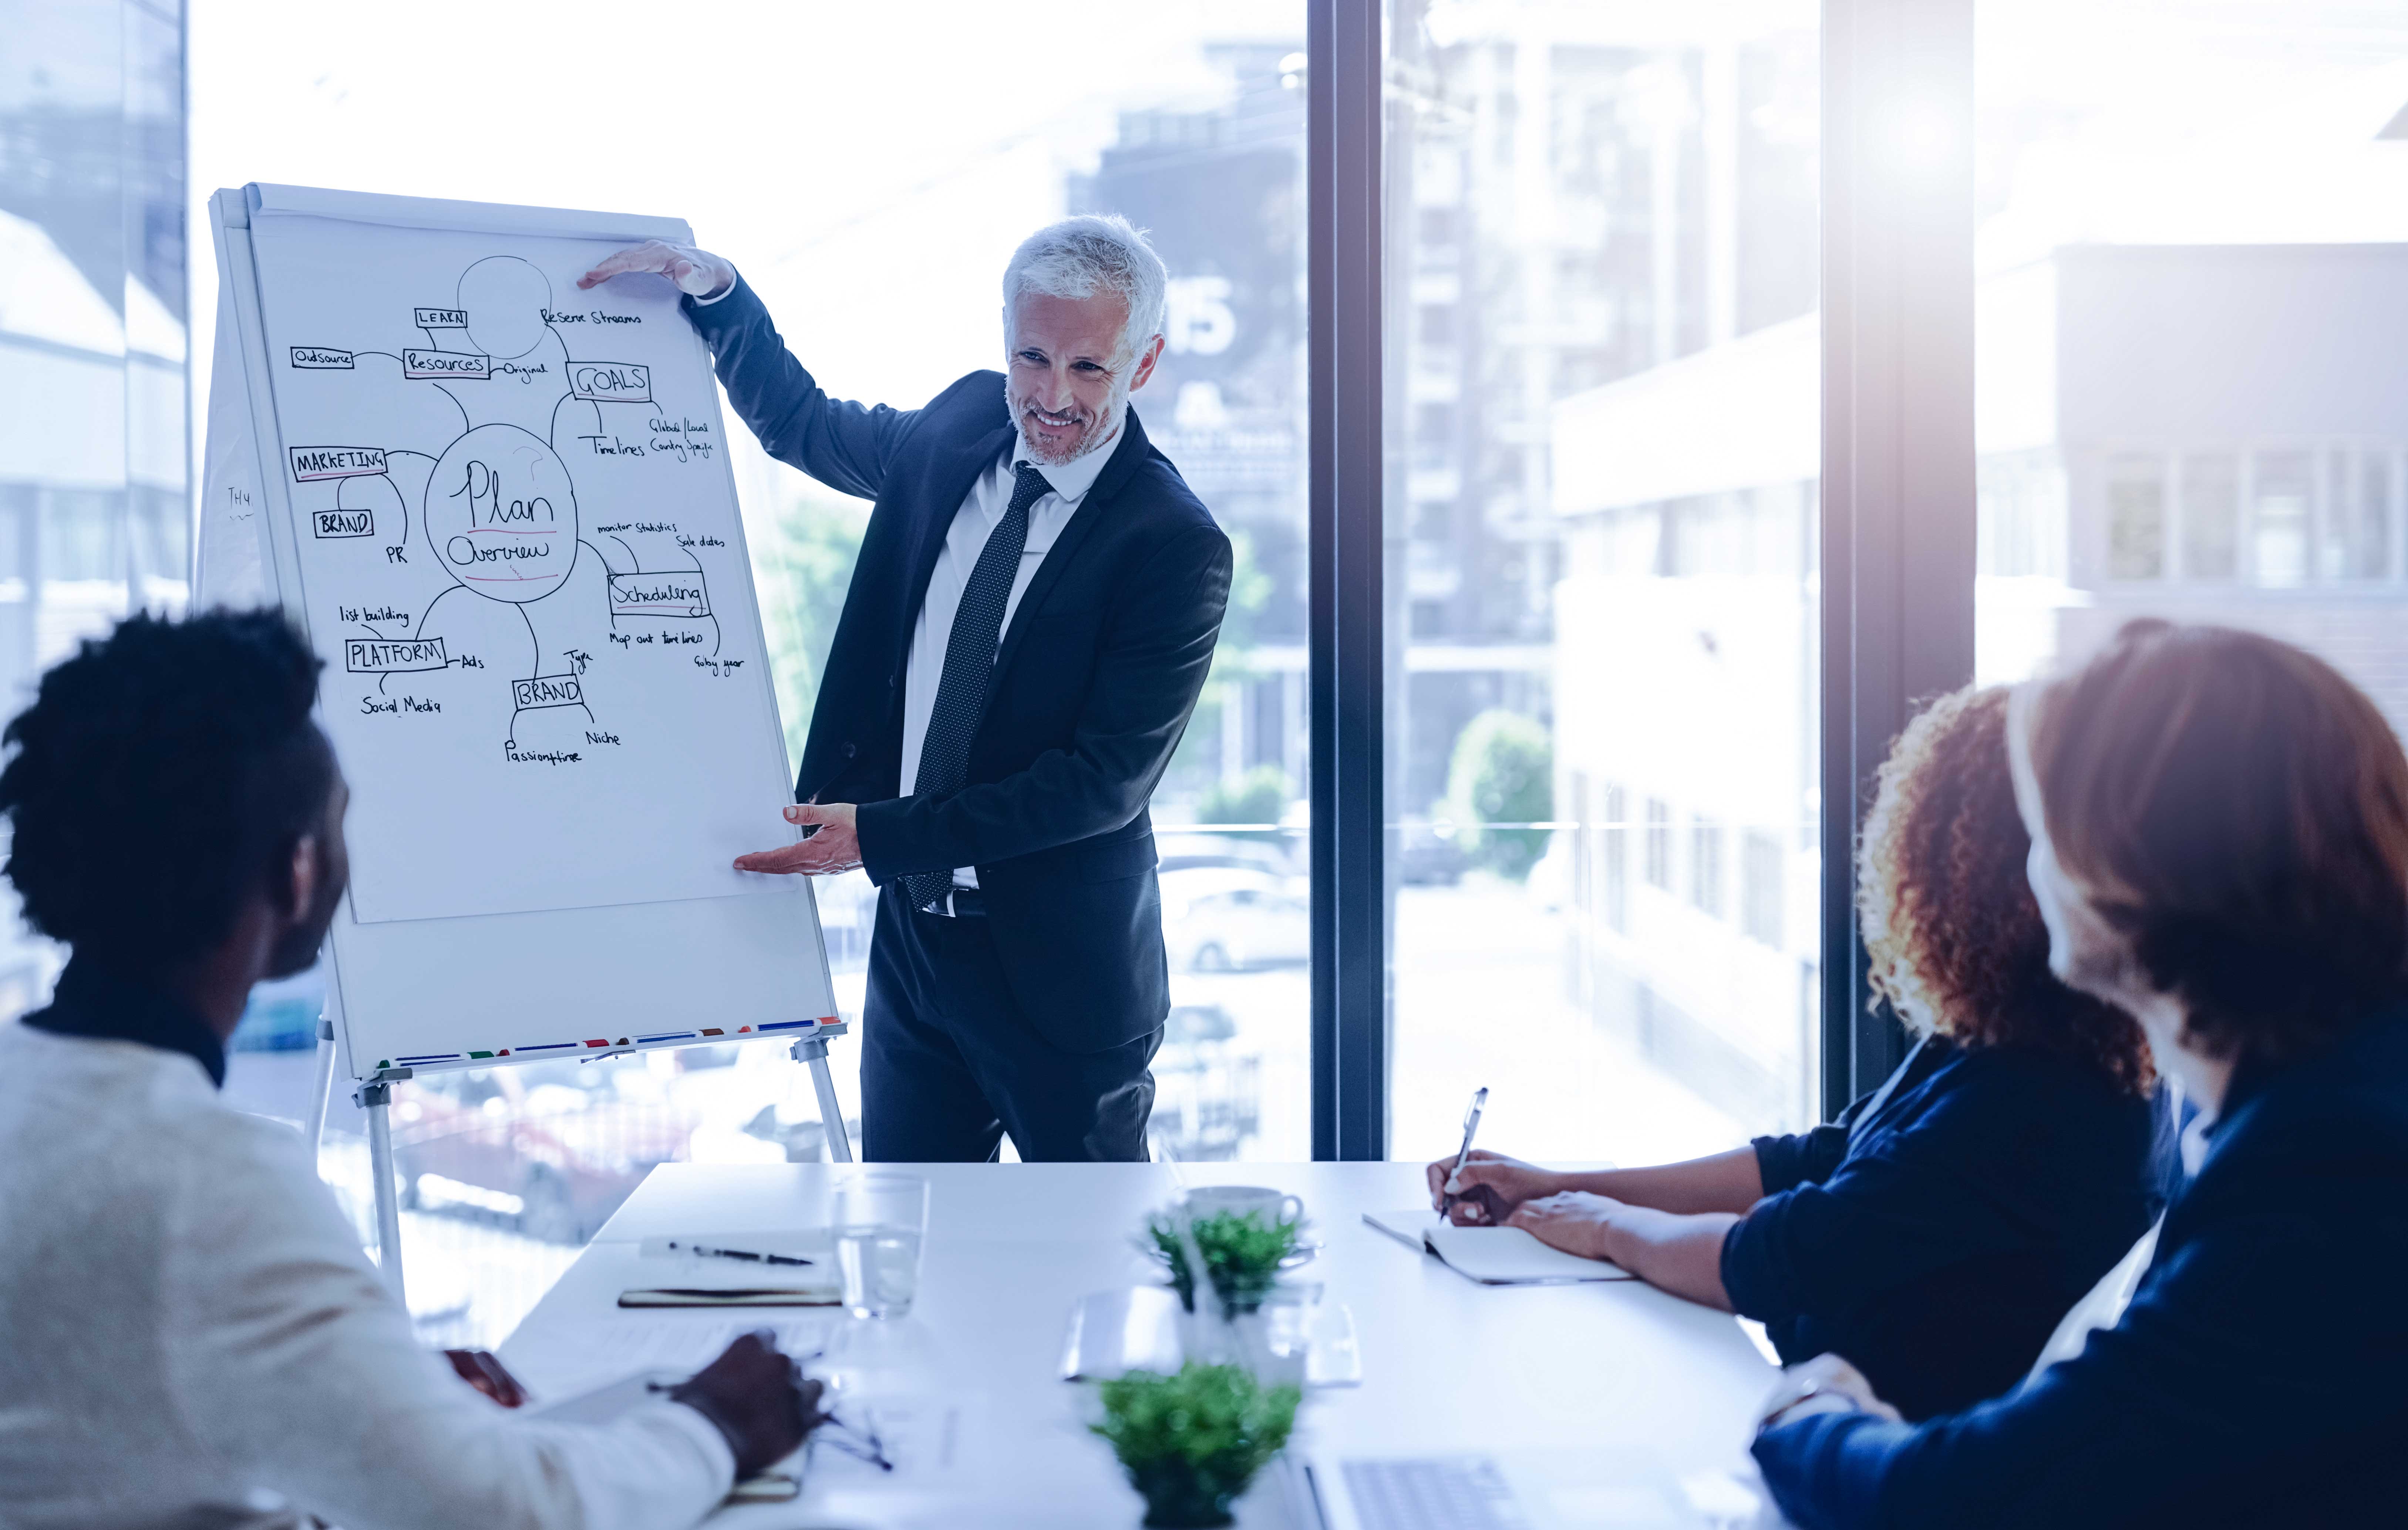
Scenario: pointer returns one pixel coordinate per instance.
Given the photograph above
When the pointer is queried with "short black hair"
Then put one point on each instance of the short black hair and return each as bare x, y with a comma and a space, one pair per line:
158, 776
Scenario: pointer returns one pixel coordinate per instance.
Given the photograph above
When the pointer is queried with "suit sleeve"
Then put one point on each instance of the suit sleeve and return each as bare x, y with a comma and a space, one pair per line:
847, 446
1156, 653
290, 1359
2249, 1346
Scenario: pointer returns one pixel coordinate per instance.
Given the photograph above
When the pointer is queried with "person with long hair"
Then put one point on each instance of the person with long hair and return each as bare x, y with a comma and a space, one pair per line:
1940, 1228
2219, 827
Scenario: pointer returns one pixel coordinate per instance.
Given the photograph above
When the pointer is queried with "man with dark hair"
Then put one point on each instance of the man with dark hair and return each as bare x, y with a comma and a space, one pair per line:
188, 1332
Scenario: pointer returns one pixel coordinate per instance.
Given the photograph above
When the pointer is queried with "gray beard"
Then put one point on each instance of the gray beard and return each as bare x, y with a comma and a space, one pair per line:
1099, 430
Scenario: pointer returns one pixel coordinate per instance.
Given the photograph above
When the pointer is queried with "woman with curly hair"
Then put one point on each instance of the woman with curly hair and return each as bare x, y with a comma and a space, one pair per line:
1939, 1230
2221, 849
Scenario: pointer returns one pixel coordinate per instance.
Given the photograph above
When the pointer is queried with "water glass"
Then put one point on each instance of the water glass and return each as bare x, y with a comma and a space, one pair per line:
879, 1218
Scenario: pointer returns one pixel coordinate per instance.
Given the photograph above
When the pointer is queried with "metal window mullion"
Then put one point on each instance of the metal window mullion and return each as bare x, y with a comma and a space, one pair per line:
1899, 520
1343, 183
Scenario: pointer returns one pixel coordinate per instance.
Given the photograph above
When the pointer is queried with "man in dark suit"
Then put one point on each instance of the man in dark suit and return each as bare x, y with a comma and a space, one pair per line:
1029, 624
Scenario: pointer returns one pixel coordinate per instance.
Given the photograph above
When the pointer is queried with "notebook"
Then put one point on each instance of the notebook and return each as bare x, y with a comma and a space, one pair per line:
791, 1293
777, 1270
1494, 1256
606, 1404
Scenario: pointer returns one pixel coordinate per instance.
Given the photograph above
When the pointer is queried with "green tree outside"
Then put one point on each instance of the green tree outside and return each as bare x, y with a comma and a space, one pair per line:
1502, 772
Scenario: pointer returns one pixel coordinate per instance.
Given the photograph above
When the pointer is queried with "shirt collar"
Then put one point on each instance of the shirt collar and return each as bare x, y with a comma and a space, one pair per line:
97, 1002
1073, 478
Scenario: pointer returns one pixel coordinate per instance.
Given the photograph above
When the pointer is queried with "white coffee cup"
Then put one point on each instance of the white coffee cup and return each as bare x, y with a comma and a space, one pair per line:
1273, 1206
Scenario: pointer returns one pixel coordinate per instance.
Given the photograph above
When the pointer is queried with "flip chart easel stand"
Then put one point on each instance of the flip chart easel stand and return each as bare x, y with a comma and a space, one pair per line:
375, 1097
813, 1049
325, 1086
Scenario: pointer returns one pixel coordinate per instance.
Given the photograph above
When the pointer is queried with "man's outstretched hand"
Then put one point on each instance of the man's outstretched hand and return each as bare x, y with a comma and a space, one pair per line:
482, 1370
698, 273
835, 848
759, 1400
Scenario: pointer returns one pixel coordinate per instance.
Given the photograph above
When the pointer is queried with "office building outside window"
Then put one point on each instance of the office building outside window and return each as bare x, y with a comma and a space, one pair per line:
2190, 228
94, 509
1602, 274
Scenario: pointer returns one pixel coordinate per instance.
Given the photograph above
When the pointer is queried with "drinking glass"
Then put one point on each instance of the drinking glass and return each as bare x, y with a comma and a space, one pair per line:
879, 1218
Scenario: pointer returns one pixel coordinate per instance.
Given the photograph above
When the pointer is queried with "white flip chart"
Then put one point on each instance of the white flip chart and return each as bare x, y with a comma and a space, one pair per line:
502, 510
520, 530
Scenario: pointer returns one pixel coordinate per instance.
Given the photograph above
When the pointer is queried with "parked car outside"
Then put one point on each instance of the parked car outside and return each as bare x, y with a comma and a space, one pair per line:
1225, 918
553, 1148
1186, 848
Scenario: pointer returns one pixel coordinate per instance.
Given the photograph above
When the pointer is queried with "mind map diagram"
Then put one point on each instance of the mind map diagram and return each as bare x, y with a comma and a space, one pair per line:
477, 501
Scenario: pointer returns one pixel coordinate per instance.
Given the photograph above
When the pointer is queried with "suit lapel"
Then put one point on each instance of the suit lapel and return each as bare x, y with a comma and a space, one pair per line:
1116, 474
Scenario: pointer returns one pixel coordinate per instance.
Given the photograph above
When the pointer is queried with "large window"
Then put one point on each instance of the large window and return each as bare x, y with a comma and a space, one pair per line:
1601, 733
2192, 212
870, 169
93, 510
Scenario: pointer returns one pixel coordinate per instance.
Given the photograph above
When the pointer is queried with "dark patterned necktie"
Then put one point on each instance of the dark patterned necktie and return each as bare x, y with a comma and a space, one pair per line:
969, 665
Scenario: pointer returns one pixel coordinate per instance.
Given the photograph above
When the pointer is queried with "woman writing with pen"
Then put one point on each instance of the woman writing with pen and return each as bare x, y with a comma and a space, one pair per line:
1938, 1231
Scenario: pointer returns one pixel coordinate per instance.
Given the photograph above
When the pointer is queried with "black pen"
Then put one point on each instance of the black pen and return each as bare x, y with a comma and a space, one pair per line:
1470, 1127
735, 1253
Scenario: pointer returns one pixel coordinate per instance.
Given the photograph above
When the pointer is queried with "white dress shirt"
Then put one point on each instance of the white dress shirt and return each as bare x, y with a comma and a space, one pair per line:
982, 511
190, 1337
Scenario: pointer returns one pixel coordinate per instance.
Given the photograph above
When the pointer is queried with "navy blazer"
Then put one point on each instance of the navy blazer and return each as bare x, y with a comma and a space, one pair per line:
1099, 669
2259, 1378
1936, 1241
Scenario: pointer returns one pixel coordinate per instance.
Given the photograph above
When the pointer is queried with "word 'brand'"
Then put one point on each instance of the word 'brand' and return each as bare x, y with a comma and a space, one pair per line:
547, 691
445, 364
332, 524
379, 656
311, 463
443, 319
320, 358
658, 595
611, 382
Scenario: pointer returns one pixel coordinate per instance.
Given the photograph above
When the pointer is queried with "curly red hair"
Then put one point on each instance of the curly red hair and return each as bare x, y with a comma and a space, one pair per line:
1955, 938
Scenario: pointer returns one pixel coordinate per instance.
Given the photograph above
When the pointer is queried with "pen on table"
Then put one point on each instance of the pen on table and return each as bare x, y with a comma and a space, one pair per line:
705, 1252
1470, 1128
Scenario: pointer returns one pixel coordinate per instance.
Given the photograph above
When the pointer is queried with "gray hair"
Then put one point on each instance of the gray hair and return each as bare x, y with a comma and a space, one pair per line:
1074, 257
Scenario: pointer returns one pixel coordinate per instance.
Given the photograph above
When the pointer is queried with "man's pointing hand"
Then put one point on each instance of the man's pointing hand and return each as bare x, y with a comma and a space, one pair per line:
697, 272
835, 848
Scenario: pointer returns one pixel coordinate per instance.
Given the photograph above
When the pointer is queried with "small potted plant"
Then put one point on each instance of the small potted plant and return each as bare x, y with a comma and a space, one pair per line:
1242, 1253
1191, 1442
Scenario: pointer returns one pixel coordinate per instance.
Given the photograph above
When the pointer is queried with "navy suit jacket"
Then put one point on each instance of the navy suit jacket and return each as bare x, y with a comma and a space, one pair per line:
1099, 669
2255, 1380
1935, 1242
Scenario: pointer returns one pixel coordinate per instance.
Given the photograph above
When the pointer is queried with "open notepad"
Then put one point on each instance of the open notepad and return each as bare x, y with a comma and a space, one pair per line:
1494, 1256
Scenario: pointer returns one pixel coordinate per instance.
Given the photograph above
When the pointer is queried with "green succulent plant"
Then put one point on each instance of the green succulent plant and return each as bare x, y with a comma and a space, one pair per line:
1241, 1250
1191, 1441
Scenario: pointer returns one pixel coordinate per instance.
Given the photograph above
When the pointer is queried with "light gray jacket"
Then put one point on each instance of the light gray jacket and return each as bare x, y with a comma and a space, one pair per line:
190, 1337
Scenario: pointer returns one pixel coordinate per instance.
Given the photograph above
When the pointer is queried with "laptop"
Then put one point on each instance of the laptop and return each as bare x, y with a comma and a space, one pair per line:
1529, 1489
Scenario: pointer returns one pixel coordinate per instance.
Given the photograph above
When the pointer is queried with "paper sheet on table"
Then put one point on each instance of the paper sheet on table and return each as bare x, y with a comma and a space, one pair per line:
579, 1358
1494, 1256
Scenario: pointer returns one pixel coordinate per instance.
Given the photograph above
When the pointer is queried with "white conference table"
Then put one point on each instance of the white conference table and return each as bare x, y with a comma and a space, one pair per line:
1448, 1367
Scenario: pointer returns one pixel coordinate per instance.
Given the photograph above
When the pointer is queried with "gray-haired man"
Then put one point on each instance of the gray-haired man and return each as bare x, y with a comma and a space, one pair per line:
1029, 624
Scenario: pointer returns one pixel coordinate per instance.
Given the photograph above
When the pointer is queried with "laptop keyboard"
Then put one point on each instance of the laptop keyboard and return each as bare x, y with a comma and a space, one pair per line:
1460, 1493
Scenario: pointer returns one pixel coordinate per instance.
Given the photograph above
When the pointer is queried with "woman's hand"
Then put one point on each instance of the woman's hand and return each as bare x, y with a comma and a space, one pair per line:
1485, 1189
1824, 1385
1575, 1221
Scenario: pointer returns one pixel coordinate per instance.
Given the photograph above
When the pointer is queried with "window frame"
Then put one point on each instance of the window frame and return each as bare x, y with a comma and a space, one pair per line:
1898, 523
